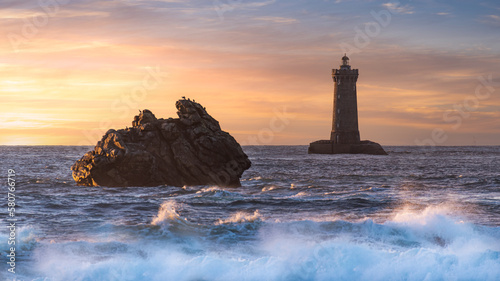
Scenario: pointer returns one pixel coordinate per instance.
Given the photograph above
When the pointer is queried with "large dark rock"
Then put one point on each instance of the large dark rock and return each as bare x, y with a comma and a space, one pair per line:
189, 150
329, 147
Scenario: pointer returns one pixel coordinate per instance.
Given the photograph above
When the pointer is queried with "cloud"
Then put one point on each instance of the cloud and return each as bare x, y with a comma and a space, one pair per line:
277, 19
258, 4
491, 20
396, 8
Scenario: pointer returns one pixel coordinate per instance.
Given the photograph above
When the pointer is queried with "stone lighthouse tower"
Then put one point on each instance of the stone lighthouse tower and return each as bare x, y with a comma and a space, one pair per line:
344, 137
345, 105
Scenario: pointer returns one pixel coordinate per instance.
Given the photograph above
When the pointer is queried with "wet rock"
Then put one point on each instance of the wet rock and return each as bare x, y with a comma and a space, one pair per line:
330, 147
189, 150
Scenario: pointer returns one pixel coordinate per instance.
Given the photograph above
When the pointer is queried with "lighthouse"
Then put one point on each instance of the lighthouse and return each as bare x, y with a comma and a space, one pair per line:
344, 137
345, 105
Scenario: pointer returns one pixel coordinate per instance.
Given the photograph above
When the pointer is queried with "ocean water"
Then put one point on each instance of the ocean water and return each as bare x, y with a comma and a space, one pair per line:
417, 214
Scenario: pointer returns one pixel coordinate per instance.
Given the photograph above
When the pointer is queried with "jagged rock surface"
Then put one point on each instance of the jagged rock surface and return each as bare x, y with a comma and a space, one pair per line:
189, 150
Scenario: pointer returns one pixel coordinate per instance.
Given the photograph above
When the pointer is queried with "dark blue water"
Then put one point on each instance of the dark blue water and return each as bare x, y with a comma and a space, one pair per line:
417, 214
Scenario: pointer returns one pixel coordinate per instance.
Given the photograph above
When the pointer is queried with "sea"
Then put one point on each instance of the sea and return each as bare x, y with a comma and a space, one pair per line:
420, 213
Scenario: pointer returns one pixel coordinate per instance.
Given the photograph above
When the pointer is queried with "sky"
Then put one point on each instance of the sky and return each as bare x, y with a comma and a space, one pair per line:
428, 70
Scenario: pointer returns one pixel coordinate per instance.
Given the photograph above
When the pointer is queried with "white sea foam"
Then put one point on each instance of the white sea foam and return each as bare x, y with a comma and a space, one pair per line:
270, 188
26, 238
209, 189
240, 217
167, 212
215, 191
253, 179
409, 216
301, 194
404, 248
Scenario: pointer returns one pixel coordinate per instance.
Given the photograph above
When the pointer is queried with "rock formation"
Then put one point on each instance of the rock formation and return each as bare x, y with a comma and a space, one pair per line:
329, 147
189, 150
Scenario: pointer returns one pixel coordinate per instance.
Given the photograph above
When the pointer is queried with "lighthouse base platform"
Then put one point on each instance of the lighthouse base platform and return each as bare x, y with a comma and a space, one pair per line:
329, 147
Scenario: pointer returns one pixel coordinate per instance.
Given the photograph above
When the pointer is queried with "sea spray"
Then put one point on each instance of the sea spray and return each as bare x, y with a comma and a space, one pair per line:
241, 217
167, 212
293, 250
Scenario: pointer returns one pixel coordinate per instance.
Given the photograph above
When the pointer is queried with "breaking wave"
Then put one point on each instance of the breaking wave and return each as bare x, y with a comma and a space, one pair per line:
426, 245
167, 213
240, 217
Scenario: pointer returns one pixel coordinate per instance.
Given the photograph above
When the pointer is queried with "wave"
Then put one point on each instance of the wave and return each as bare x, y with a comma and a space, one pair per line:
271, 188
430, 244
26, 239
241, 217
217, 192
167, 213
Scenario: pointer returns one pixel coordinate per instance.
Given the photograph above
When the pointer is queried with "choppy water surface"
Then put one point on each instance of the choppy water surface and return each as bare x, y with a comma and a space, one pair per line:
417, 214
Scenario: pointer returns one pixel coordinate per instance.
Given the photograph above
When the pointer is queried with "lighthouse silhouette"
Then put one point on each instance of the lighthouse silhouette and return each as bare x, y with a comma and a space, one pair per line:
345, 104
344, 137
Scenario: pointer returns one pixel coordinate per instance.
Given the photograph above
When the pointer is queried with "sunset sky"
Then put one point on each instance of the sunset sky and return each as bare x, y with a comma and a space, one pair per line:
72, 69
